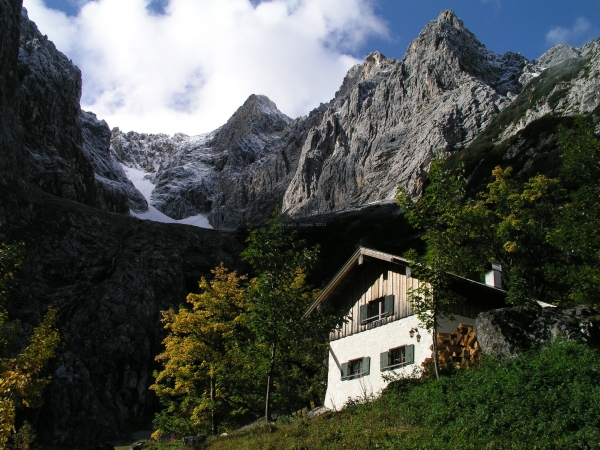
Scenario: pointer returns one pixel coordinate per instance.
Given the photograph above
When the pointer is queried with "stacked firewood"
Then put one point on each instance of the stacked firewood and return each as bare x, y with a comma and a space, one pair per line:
457, 349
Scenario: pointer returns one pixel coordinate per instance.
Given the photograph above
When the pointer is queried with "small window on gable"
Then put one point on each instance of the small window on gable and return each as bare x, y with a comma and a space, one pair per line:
397, 357
356, 368
377, 309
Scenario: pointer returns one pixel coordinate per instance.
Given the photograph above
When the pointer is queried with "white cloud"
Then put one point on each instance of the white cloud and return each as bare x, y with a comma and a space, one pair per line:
190, 68
580, 32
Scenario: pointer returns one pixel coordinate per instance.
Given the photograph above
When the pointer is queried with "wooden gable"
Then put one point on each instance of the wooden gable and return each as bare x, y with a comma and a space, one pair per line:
376, 280
370, 275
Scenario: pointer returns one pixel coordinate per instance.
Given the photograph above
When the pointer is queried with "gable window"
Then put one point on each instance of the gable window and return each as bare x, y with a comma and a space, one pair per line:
377, 309
397, 357
356, 368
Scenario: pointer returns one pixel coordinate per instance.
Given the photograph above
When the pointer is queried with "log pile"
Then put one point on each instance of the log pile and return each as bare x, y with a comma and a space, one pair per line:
456, 350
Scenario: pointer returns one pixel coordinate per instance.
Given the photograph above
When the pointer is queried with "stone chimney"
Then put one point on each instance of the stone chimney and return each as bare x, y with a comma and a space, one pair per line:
493, 277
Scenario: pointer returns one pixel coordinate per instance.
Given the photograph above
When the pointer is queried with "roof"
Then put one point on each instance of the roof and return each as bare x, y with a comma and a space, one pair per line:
352, 268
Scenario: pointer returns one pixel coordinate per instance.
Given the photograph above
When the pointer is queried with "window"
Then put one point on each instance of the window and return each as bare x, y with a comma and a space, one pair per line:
397, 357
356, 368
377, 309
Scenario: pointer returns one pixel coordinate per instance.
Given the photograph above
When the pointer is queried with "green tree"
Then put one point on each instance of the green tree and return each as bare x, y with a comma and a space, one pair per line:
21, 380
510, 225
201, 354
437, 212
277, 300
577, 235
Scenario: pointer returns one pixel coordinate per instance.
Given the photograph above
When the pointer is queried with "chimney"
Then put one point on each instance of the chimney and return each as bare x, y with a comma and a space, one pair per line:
493, 277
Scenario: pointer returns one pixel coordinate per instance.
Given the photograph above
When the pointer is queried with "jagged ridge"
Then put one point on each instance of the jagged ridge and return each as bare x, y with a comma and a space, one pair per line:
378, 133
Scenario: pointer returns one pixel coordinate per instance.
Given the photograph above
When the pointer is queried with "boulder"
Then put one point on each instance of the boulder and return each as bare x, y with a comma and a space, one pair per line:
506, 332
193, 441
318, 411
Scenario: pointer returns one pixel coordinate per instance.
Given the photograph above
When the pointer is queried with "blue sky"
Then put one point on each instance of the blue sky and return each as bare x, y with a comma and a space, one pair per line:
186, 65
502, 25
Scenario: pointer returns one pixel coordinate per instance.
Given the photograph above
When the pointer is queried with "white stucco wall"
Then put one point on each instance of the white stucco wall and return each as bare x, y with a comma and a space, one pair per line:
372, 343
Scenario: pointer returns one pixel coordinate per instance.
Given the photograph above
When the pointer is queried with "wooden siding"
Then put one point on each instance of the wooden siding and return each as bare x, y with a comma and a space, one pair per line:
376, 279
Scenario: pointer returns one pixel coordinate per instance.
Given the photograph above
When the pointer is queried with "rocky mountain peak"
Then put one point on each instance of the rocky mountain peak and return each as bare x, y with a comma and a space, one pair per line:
258, 114
449, 17
374, 62
242, 135
374, 58
445, 52
375, 66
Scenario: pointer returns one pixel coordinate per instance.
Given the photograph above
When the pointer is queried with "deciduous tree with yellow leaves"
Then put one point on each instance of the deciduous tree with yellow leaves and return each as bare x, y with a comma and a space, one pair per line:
201, 354
21, 379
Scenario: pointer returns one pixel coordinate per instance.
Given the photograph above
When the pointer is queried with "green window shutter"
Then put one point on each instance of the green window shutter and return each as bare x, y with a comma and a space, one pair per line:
389, 304
409, 354
363, 314
344, 370
384, 360
366, 363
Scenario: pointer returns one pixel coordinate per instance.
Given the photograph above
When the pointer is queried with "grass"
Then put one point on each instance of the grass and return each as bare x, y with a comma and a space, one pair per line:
545, 399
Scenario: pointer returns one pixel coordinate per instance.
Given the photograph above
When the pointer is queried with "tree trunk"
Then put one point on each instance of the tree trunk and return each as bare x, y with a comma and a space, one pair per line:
435, 353
213, 424
435, 346
269, 383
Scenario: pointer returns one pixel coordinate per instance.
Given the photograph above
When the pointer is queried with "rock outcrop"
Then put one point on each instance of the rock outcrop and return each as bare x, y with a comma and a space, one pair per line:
66, 149
49, 92
11, 133
570, 86
114, 191
109, 274
506, 332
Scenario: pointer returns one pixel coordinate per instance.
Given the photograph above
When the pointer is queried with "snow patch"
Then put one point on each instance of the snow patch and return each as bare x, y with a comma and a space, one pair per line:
140, 180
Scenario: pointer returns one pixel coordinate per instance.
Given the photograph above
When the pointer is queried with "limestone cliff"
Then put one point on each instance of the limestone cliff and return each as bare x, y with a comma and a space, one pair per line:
66, 149
377, 134
114, 191
390, 116
110, 275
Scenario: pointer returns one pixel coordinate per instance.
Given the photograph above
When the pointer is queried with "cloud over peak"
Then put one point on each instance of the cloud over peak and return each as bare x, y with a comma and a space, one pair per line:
187, 65
579, 33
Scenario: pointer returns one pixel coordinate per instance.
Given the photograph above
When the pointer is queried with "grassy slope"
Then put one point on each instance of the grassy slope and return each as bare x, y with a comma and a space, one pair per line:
546, 399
